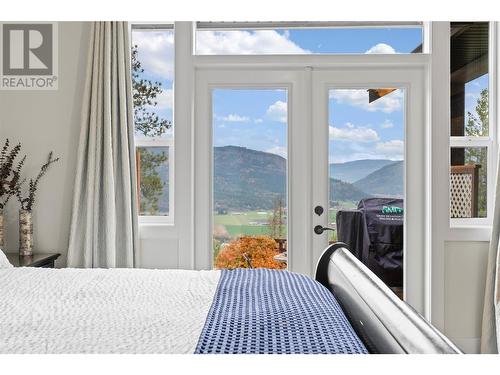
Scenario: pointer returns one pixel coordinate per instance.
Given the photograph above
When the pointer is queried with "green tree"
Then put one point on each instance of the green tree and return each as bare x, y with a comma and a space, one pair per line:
277, 220
151, 182
477, 125
145, 94
148, 123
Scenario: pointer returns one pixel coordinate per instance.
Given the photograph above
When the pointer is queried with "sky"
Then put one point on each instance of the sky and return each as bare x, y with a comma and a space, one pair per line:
473, 92
257, 119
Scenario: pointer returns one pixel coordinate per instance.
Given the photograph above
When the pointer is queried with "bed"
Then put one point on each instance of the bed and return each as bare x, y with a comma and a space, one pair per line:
346, 310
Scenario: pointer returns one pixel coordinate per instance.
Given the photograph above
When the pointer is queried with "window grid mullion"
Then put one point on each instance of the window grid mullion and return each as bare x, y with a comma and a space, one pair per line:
470, 142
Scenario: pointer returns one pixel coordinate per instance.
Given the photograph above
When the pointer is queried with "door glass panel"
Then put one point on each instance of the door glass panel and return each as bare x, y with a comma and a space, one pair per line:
249, 177
366, 177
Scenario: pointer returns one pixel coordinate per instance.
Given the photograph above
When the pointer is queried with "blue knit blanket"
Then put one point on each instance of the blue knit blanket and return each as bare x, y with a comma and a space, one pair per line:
276, 312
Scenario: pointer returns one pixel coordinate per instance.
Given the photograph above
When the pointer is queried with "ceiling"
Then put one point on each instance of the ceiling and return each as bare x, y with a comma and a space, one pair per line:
469, 46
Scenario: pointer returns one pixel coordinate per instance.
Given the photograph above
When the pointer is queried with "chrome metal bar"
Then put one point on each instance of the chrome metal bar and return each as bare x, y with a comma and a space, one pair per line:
385, 323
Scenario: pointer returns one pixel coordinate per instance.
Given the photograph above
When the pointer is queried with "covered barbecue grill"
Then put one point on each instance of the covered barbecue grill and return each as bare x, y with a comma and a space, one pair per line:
374, 233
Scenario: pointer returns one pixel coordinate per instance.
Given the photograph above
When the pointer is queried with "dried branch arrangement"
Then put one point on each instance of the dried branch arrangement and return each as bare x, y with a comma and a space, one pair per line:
28, 201
10, 172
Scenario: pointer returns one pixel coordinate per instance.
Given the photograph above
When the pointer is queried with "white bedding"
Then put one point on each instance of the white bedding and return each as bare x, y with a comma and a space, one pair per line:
103, 311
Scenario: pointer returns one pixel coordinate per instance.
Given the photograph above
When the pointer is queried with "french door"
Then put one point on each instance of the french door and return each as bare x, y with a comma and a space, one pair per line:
278, 152
248, 182
369, 141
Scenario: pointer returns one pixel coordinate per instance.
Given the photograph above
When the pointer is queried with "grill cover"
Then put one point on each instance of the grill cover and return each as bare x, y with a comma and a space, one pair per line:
374, 233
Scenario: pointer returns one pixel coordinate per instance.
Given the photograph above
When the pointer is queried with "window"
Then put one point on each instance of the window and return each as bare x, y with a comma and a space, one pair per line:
472, 139
366, 150
250, 147
264, 38
152, 81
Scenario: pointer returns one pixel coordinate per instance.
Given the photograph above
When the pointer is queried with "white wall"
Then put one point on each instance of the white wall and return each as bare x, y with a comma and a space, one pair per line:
43, 121
465, 277
459, 255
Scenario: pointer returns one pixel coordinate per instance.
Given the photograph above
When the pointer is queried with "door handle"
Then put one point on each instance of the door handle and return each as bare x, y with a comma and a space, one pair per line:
318, 229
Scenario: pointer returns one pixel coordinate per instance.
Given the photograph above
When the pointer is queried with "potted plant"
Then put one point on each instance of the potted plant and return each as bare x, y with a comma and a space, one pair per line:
27, 201
10, 179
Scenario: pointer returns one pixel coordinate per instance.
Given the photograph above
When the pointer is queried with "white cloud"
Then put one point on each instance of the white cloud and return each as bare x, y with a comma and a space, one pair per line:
278, 111
156, 52
353, 134
234, 118
258, 121
391, 149
359, 98
353, 142
387, 124
278, 150
381, 48
348, 151
240, 42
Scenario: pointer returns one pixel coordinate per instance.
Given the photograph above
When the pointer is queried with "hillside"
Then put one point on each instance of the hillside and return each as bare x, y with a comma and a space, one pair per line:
344, 191
250, 180
352, 171
246, 179
386, 181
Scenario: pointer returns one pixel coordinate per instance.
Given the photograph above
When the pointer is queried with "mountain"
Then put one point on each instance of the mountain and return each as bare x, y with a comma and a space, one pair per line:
246, 179
344, 191
352, 171
386, 181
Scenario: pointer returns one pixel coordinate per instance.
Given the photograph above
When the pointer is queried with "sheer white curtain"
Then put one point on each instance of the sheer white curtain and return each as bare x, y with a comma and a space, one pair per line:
104, 218
490, 337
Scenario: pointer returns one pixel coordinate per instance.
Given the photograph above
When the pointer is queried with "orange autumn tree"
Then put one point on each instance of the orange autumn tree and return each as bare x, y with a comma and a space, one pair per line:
260, 250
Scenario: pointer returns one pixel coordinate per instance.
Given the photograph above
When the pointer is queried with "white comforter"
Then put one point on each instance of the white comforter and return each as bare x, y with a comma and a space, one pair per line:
103, 311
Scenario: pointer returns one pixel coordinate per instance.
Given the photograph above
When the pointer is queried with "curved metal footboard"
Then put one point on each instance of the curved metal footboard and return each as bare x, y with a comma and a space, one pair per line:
384, 322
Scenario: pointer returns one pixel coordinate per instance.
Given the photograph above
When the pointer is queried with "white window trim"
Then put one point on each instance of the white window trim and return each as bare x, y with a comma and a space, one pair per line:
159, 141
480, 228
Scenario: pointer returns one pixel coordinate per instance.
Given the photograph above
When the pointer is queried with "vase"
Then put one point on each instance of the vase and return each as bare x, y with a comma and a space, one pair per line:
25, 233
2, 240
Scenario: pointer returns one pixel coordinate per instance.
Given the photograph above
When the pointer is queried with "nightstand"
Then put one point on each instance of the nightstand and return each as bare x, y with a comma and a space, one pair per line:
36, 260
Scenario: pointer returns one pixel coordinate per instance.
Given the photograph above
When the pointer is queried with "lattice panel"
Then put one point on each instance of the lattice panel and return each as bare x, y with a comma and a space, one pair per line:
461, 195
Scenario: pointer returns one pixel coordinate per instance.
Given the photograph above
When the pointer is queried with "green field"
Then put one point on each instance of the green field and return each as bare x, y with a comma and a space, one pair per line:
242, 218
250, 223
249, 230
254, 223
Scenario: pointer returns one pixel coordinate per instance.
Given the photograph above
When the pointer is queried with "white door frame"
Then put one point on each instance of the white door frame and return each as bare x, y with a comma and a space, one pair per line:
413, 81
297, 135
